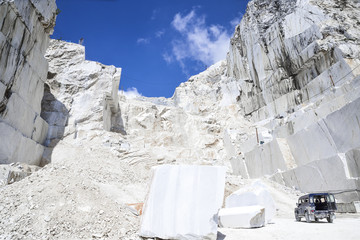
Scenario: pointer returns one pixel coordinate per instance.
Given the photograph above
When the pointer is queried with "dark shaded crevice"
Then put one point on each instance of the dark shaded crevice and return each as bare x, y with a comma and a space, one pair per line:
56, 115
5, 100
51, 75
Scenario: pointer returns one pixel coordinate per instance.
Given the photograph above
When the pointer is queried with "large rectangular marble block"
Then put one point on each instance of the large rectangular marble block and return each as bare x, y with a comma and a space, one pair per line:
344, 126
15, 147
183, 202
242, 217
268, 156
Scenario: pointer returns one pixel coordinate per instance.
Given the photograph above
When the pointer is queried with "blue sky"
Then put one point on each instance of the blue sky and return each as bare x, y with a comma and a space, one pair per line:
158, 44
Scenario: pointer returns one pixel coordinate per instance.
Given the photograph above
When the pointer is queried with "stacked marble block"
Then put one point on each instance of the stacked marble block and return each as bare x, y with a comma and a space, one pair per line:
313, 149
316, 148
304, 90
25, 26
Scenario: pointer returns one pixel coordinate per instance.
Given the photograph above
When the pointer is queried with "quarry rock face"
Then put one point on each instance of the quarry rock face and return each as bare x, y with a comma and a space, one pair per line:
81, 96
25, 27
87, 89
293, 72
170, 134
285, 53
297, 66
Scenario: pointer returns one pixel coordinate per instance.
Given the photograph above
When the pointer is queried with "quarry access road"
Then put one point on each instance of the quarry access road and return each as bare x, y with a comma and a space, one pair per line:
343, 227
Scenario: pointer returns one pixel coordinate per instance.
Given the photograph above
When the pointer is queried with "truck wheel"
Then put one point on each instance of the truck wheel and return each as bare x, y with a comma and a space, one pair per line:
330, 219
307, 217
298, 219
316, 219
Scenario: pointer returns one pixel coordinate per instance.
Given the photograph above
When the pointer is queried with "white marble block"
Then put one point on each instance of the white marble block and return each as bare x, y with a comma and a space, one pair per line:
242, 217
183, 202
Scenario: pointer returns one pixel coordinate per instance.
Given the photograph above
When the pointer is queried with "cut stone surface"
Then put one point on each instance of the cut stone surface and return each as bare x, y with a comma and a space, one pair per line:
242, 217
15, 147
24, 37
183, 202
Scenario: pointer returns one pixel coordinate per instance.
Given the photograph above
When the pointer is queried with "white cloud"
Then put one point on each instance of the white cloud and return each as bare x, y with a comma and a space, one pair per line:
180, 23
131, 93
168, 58
143, 41
159, 33
200, 42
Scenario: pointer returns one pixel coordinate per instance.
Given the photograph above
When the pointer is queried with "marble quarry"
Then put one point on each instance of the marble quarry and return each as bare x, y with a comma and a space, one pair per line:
282, 105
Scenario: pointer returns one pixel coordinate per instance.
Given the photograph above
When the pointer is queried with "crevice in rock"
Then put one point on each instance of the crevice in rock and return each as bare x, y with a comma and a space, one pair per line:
56, 115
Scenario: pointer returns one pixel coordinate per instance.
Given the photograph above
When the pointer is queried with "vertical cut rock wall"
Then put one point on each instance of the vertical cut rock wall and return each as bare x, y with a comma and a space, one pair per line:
25, 26
284, 53
297, 64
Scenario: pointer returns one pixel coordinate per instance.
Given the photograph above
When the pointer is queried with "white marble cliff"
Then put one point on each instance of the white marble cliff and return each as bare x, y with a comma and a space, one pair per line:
82, 96
25, 27
297, 65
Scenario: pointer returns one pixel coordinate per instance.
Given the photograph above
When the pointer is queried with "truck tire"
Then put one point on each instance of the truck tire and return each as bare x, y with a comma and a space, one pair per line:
330, 219
307, 217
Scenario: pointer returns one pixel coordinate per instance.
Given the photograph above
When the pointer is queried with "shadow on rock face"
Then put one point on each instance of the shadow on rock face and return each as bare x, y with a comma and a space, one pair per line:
56, 115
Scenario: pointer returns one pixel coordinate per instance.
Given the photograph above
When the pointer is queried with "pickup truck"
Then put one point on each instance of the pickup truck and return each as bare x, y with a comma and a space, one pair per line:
315, 206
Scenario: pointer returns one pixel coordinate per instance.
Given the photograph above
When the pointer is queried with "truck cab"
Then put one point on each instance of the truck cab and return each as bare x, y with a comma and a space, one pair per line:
315, 206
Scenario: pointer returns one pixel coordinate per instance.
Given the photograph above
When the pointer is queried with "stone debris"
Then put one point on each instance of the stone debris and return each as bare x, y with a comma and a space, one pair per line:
242, 217
14, 172
81, 193
183, 202
251, 195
